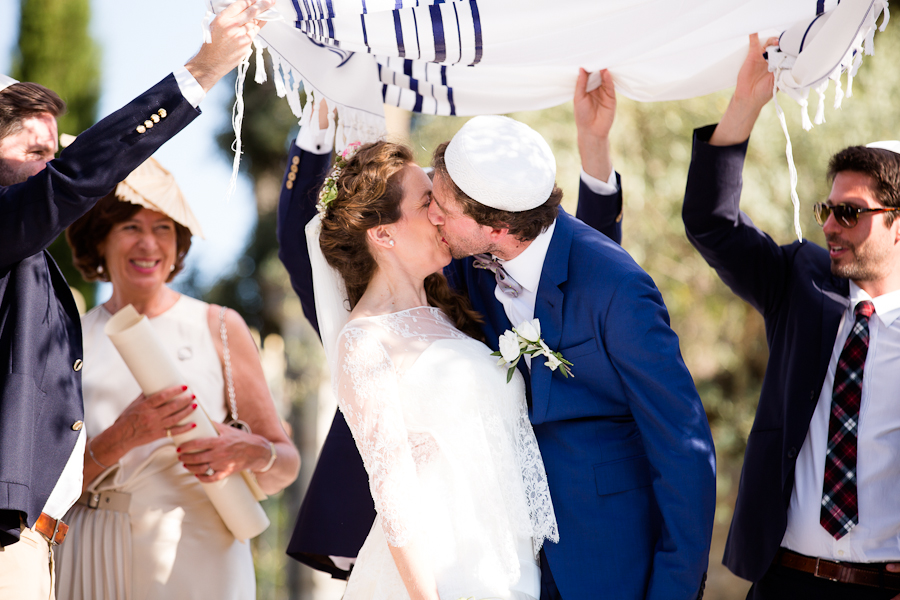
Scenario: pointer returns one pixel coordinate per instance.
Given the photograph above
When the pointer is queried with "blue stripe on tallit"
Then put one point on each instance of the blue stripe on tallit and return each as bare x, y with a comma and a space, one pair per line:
806, 33
450, 100
820, 6
365, 9
329, 10
414, 87
416, 27
458, 32
443, 74
407, 67
296, 4
437, 31
476, 21
362, 19
398, 32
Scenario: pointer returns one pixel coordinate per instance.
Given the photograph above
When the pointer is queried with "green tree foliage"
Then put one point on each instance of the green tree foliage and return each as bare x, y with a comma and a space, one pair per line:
55, 49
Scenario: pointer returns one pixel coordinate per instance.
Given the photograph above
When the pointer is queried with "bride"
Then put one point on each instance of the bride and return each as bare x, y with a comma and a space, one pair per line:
454, 469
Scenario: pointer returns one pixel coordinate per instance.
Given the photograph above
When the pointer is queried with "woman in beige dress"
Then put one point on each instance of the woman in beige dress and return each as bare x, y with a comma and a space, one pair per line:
144, 527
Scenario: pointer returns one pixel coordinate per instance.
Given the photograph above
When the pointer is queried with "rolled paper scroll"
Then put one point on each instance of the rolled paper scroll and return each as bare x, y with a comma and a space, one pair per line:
155, 371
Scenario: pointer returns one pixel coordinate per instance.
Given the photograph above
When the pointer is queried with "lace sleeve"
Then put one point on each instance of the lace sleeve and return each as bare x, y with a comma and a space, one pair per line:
365, 383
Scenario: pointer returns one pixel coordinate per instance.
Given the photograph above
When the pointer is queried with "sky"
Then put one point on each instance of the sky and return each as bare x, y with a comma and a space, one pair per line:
142, 42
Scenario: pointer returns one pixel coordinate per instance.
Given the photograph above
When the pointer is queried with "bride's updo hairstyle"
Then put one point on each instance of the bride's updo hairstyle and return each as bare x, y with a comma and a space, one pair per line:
369, 193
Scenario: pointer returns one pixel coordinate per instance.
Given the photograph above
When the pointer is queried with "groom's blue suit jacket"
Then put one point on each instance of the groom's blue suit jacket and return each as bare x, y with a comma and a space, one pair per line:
625, 442
609, 480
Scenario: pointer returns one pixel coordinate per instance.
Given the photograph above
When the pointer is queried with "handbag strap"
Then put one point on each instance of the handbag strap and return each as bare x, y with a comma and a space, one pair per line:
226, 358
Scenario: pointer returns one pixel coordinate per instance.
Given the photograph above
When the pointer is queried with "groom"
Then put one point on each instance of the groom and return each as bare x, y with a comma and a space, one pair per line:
625, 442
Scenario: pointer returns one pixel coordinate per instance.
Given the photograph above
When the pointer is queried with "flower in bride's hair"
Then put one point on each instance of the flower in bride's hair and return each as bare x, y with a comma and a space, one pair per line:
350, 150
329, 189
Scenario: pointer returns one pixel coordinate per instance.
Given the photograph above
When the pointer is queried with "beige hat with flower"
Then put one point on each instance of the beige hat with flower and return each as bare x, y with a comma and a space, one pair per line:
151, 186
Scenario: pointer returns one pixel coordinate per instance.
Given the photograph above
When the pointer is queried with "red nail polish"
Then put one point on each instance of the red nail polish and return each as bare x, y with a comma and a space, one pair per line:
194, 397
194, 406
184, 388
193, 425
177, 449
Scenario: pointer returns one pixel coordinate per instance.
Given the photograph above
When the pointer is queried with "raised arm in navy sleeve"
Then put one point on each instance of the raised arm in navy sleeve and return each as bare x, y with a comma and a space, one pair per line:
296, 207
33, 213
602, 212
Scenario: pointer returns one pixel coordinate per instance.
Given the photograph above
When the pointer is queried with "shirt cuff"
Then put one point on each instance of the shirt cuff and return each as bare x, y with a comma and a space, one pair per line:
600, 187
190, 89
314, 140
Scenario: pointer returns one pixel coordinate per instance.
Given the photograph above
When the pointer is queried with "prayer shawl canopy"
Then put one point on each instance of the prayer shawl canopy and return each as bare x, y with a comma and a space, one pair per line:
470, 57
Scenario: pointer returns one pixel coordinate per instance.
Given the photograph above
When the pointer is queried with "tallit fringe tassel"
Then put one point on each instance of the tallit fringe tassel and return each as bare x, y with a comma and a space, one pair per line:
789, 152
353, 125
237, 121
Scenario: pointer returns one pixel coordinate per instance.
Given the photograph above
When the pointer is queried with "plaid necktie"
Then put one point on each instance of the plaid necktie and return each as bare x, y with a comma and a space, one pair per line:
507, 284
840, 507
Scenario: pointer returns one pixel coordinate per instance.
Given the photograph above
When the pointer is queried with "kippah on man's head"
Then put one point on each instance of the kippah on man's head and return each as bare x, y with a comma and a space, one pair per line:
892, 145
501, 163
6, 81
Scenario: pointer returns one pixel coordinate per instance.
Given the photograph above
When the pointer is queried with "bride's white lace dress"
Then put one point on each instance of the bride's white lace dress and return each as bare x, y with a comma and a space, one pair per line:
451, 456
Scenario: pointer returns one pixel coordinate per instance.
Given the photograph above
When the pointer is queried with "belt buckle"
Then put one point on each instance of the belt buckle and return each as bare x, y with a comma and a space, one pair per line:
52, 539
94, 500
816, 571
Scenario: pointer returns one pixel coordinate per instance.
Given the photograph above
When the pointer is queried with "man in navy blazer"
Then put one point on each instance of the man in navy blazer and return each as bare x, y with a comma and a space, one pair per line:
42, 438
625, 442
337, 511
781, 537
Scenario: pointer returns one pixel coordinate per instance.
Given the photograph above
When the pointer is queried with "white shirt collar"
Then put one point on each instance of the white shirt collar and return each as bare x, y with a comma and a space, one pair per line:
887, 306
526, 267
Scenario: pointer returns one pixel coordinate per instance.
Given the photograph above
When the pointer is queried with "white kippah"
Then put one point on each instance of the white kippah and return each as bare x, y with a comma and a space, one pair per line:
892, 145
6, 81
501, 163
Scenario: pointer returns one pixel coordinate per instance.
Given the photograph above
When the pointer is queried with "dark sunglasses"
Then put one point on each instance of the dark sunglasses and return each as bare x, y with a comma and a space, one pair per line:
845, 214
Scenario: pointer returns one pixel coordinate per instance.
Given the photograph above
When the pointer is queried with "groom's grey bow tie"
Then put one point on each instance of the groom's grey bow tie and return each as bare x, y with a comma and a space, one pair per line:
507, 284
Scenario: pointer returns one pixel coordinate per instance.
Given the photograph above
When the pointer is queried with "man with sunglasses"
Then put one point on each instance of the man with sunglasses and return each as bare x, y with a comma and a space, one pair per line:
818, 509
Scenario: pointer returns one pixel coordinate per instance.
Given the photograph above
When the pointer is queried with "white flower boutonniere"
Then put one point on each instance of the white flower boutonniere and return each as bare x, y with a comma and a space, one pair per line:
526, 339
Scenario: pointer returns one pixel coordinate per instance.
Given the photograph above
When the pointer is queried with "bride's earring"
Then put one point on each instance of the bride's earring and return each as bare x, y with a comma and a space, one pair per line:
391, 243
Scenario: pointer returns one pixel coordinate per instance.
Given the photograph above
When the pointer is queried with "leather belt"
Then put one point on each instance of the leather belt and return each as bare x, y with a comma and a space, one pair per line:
871, 574
109, 500
54, 530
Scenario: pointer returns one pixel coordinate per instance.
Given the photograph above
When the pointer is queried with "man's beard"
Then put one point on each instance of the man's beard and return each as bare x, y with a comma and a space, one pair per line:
9, 176
461, 248
867, 263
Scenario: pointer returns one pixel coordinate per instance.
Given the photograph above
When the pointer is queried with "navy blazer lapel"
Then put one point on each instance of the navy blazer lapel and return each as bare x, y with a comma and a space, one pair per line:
835, 300
798, 414
548, 309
